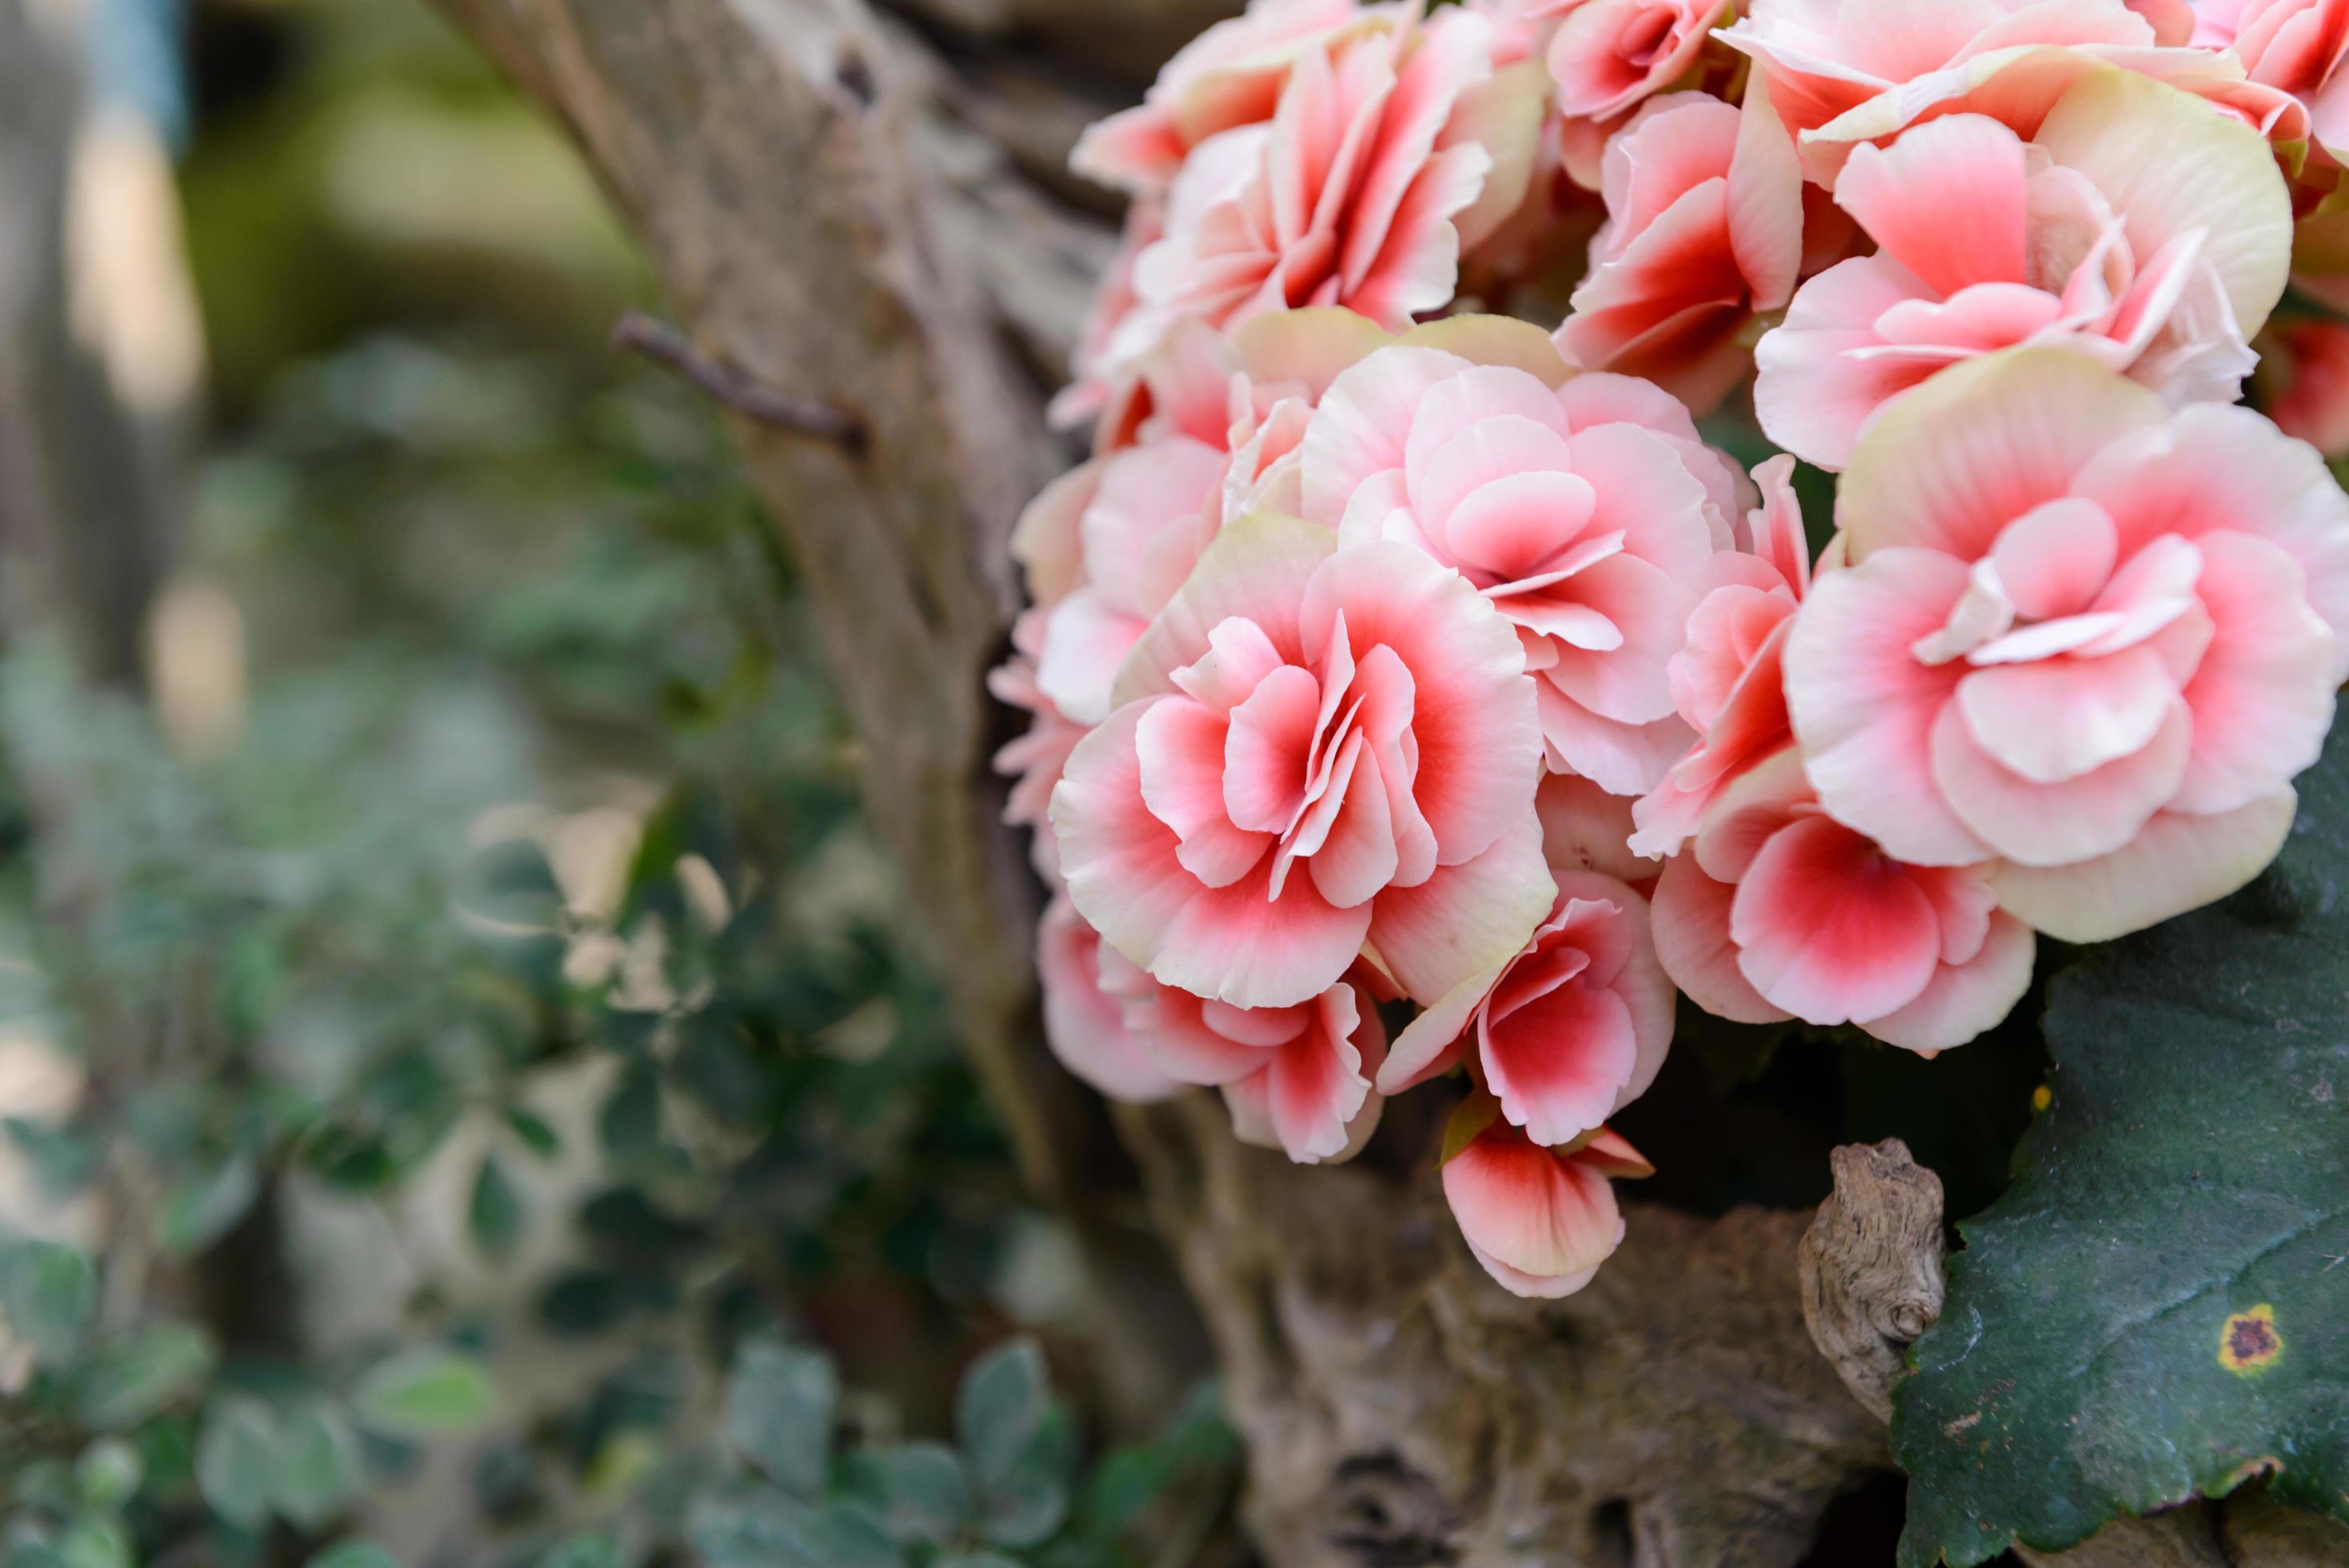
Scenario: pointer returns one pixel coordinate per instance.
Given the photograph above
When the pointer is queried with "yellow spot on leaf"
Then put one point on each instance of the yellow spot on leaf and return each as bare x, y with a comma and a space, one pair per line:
2249, 1343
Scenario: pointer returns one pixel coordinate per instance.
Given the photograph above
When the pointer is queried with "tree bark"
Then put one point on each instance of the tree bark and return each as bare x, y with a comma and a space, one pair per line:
864, 209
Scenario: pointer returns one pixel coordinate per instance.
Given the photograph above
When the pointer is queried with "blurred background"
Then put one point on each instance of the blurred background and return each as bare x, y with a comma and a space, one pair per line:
466, 1096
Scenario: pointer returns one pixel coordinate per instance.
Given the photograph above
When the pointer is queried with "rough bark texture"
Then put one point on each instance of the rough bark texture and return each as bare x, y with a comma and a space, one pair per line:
866, 209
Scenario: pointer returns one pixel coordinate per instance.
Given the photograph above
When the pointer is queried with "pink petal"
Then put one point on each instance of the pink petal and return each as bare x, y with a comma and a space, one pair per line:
2050, 824
1255, 571
2053, 721
1585, 829
1830, 929
1945, 202
1964, 999
2175, 863
1179, 746
1318, 1083
1466, 919
1239, 659
1363, 422
1865, 708
1811, 394
1266, 749
2055, 559
1691, 924
1085, 1028
1620, 757
1559, 1064
2263, 696
1474, 721
1235, 943
1538, 1222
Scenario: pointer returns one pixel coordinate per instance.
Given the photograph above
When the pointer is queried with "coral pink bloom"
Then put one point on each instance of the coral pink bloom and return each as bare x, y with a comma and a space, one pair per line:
1704, 231
1584, 508
2314, 407
1729, 682
1778, 910
1229, 76
2297, 47
2081, 639
2140, 229
1541, 1221
1297, 1078
1845, 72
1566, 1032
1387, 155
1084, 1022
1316, 749
1609, 55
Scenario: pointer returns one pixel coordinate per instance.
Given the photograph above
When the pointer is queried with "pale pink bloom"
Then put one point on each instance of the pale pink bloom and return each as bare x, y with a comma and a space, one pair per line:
1389, 153
1034, 759
1540, 1221
1704, 231
1084, 1022
1098, 389
1607, 56
1521, 28
1316, 752
2139, 230
1778, 910
1848, 72
1229, 76
2297, 47
2081, 641
2312, 358
1564, 1033
1297, 1078
1729, 683
1584, 507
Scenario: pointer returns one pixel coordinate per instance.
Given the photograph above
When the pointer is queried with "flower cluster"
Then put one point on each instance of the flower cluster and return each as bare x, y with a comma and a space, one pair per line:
1418, 695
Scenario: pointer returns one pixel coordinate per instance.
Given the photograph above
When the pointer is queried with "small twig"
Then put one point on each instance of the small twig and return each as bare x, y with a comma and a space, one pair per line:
656, 340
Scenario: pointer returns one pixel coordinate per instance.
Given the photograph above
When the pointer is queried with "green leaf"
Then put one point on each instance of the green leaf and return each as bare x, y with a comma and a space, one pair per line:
975, 1560
582, 1551
49, 1291
310, 1468
1027, 1504
124, 1384
779, 1412
630, 1120
200, 1211
1000, 1407
2154, 1308
420, 1393
355, 1552
107, 1474
494, 1212
761, 1528
1468, 1120
235, 1461
96, 1544
536, 1133
925, 1495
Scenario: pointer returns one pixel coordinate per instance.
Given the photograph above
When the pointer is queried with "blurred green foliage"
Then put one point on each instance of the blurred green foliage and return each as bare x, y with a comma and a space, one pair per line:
507, 1124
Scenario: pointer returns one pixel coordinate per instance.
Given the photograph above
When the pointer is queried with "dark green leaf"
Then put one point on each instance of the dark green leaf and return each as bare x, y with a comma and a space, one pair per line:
126, 1383
199, 1210
923, 1494
47, 1291
426, 1391
494, 1212
310, 1470
536, 1135
779, 1411
2154, 1308
235, 1463
629, 1121
1027, 1503
1000, 1407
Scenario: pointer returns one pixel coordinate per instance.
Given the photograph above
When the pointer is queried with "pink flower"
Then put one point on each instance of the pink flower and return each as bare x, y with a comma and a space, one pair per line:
1778, 910
1317, 750
2313, 356
1229, 76
1084, 1023
1099, 389
1585, 829
1297, 1078
1389, 153
1704, 231
2082, 642
1034, 759
1566, 1032
1729, 682
1607, 56
1585, 508
1541, 1221
1846, 72
2297, 47
2139, 228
